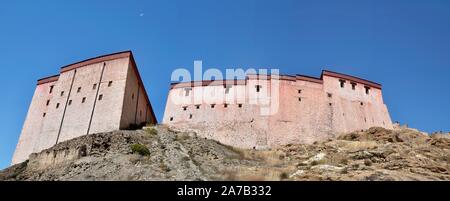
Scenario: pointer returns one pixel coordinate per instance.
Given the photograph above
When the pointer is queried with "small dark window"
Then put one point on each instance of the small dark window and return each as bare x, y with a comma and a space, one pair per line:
57, 105
185, 108
353, 86
132, 96
83, 100
258, 88
225, 105
367, 90
187, 91
100, 97
43, 115
330, 95
48, 102
227, 89
62, 93
197, 107
213, 105
51, 88
94, 86
330, 104
299, 99
190, 116
109, 83
79, 90
299, 91
342, 83
171, 118
240, 105
362, 103
70, 102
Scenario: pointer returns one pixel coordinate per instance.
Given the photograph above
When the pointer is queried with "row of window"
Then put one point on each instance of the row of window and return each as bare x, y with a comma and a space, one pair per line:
187, 91
354, 86
94, 86
212, 106
83, 100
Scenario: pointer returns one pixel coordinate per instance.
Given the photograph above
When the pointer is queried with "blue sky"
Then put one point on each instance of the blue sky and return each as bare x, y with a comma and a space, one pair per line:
405, 45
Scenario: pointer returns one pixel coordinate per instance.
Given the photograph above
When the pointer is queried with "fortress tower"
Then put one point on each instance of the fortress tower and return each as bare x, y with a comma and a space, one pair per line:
301, 109
101, 94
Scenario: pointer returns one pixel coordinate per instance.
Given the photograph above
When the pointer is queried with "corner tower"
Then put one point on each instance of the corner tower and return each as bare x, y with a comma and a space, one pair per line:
100, 94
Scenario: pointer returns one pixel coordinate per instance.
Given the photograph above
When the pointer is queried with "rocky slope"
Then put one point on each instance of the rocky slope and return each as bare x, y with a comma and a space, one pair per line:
160, 153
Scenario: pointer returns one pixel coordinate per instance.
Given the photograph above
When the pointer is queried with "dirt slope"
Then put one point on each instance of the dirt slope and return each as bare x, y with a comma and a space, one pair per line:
375, 154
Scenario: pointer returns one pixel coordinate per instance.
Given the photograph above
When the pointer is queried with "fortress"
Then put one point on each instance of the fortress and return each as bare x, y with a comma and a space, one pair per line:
101, 94
301, 109
106, 93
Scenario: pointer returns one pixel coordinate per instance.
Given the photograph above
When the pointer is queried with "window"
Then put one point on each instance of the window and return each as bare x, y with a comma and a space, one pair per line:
362, 103
45, 114
100, 97
213, 105
187, 91
132, 96
225, 105
57, 105
51, 88
227, 89
367, 89
299, 99
330, 95
109, 83
62, 93
94, 86
171, 118
299, 91
79, 90
48, 102
353, 86
83, 100
258, 88
185, 108
190, 116
70, 102
342, 83
240, 105
330, 104
197, 107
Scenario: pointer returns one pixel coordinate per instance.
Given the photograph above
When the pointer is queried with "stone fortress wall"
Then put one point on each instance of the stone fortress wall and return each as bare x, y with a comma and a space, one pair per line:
303, 110
100, 94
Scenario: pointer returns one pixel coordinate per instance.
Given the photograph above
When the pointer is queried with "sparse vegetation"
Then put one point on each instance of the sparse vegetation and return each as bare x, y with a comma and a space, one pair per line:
140, 149
164, 154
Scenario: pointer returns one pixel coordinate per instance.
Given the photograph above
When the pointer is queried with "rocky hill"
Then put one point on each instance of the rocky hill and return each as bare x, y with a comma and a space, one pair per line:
159, 153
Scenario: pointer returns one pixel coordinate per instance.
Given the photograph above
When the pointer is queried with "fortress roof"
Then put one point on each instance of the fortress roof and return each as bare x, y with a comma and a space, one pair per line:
281, 77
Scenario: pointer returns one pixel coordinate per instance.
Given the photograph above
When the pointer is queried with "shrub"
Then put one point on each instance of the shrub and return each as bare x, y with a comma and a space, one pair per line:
140, 149
152, 131
284, 176
367, 162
